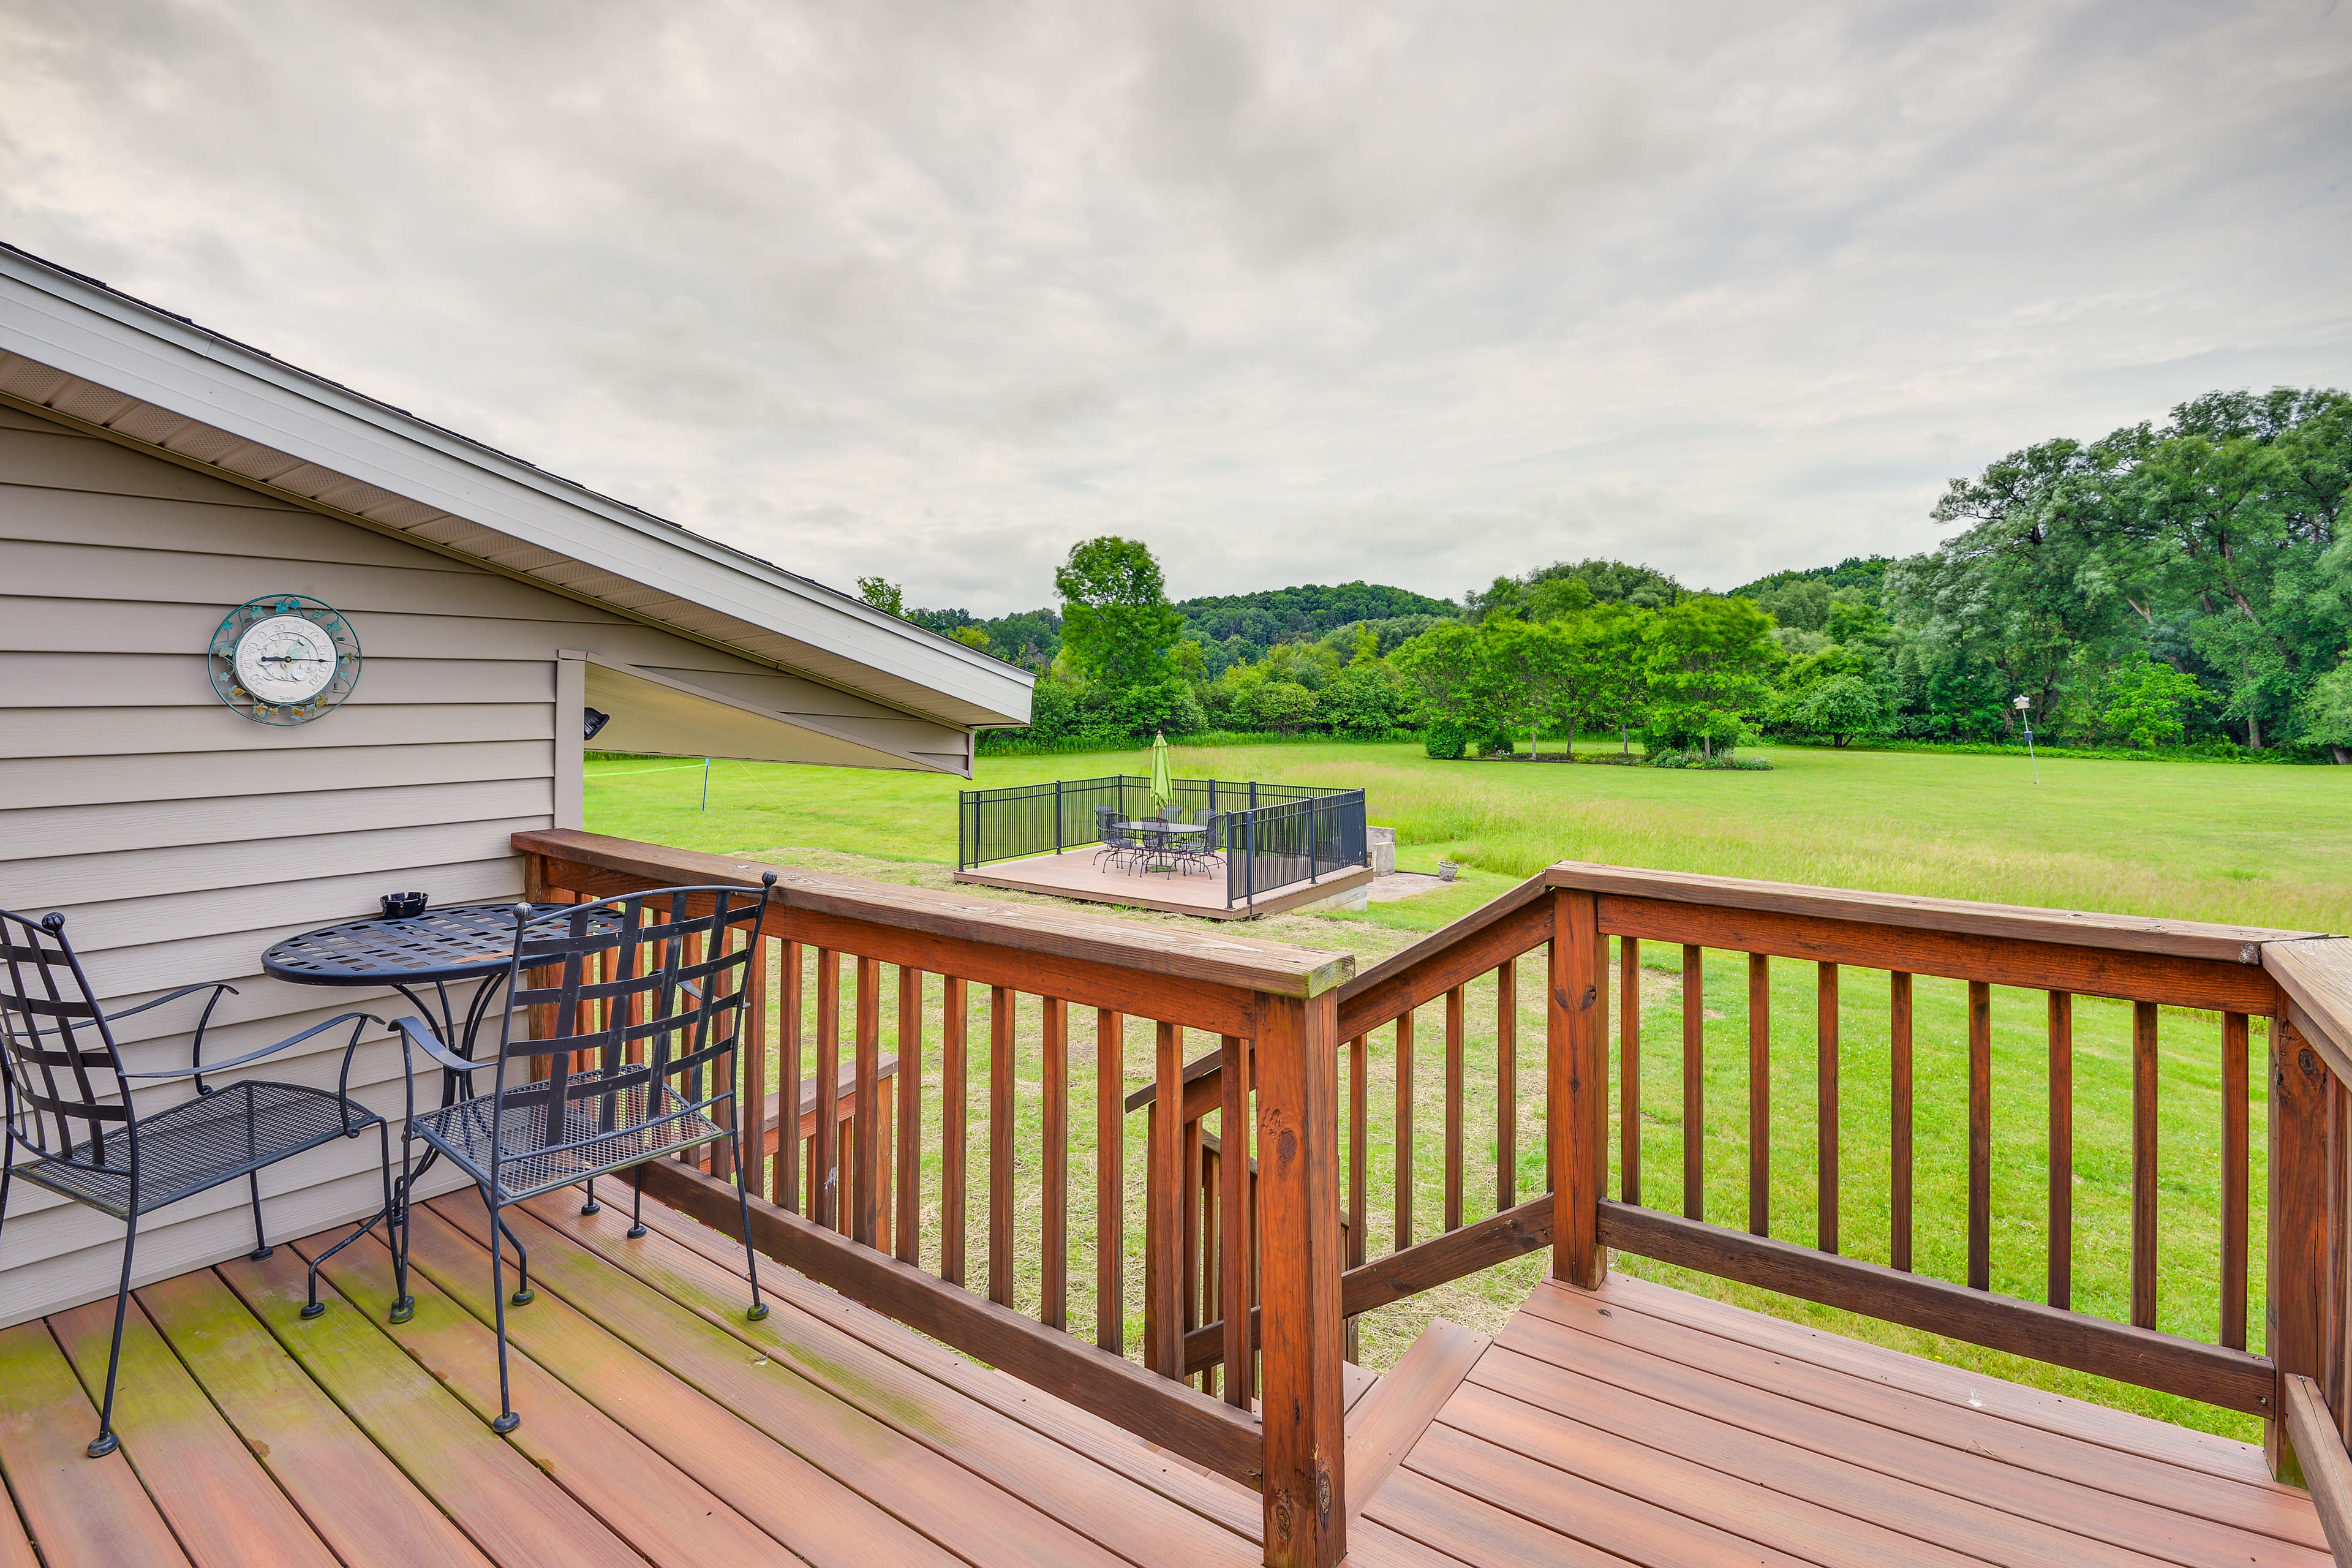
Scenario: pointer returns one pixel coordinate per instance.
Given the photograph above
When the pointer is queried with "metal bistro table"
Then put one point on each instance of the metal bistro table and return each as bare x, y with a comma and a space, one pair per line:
1166, 836
414, 954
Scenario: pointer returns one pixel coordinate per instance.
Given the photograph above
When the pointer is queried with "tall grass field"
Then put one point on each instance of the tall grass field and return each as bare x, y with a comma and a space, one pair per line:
2194, 841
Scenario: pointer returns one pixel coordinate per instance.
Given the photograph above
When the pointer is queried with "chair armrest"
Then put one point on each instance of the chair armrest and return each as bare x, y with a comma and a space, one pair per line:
416, 1032
201, 1068
214, 987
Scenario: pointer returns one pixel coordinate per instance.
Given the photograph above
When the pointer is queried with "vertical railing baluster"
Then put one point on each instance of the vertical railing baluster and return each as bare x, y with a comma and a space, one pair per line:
1001, 1128
1898, 1208
2142, 1220
1401, 1140
955, 1118
2061, 1151
1358, 1136
1980, 1135
909, 1227
1110, 1182
1507, 1088
1163, 1316
1234, 1229
1759, 1094
2234, 1179
1455, 1044
1053, 1308
1694, 1082
825, 1168
866, 1180
1825, 1107
1629, 1068
784, 1176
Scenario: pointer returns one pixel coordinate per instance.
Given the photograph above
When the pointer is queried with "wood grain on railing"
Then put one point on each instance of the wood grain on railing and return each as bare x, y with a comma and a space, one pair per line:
2234, 1163
2143, 1165
1001, 1126
1980, 1135
1400, 1133
1235, 1246
787, 1175
866, 1180
955, 1120
824, 1175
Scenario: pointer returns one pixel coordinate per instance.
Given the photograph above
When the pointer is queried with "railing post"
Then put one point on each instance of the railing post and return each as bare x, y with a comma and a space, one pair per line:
1577, 1106
2302, 1290
1057, 816
1301, 1333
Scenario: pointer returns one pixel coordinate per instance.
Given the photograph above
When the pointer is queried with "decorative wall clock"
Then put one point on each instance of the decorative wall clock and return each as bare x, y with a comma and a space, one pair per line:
284, 659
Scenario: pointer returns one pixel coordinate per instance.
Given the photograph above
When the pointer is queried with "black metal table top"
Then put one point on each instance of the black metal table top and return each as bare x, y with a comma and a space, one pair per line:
468, 941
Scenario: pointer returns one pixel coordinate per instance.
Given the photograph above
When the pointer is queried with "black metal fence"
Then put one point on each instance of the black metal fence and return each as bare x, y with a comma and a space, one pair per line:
1273, 836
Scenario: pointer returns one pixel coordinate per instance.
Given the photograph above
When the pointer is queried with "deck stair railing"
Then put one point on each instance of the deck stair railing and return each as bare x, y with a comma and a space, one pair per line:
1260, 1192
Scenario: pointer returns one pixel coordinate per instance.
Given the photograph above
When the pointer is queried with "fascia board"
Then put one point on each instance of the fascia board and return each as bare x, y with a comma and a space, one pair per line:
89, 331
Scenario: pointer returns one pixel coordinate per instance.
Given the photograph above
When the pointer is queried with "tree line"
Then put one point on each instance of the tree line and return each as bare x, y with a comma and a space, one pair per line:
2186, 584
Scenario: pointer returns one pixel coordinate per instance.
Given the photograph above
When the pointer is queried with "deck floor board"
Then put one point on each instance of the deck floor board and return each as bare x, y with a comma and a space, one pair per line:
1633, 1427
1679, 1430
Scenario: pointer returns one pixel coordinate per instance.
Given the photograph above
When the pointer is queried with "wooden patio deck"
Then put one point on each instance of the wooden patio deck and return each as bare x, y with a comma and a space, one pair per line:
1075, 875
1630, 1425
1636, 1424
657, 1426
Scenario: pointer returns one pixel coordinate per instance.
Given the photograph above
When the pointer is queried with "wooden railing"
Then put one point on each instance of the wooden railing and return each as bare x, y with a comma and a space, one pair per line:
1260, 1188
850, 943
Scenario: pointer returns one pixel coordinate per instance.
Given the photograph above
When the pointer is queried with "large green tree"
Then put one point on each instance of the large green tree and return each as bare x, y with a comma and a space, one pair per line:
1709, 662
1117, 624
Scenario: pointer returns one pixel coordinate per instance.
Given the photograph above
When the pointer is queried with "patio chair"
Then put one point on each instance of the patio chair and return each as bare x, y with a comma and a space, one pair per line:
1203, 851
1113, 837
67, 1104
666, 1004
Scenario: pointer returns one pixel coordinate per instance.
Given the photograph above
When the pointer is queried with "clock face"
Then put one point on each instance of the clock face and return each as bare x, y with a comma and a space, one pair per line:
286, 659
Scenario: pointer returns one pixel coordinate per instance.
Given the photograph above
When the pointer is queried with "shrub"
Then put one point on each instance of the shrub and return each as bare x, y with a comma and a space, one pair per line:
1443, 740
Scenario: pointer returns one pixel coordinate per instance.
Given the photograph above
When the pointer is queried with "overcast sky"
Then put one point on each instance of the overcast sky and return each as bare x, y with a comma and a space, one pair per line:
1297, 293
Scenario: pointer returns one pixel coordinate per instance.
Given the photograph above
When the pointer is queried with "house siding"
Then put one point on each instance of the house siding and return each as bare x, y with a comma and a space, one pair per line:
180, 840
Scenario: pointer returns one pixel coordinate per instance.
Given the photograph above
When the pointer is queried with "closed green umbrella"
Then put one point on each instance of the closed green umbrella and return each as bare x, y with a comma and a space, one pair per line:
1164, 787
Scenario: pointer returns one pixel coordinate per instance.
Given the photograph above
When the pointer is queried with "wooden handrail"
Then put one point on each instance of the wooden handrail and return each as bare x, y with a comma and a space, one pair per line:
2326, 1468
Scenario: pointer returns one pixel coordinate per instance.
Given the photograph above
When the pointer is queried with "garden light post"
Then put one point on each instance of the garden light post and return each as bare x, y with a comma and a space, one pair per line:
2024, 706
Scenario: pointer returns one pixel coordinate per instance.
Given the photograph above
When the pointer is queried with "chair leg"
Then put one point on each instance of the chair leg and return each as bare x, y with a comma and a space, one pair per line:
403, 1305
637, 1202
104, 1443
751, 1256
311, 1306
591, 1205
524, 1294
507, 1420
261, 1247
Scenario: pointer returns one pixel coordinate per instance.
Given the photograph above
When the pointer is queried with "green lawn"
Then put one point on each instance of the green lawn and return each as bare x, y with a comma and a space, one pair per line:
2203, 841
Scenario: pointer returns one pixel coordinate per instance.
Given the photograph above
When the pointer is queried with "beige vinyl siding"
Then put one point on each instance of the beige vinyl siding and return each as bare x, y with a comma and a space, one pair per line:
180, 840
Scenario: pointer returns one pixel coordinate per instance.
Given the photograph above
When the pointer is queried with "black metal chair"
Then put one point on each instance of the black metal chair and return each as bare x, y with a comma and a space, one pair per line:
1201, 850
67, 1104
669, 995
1113, 837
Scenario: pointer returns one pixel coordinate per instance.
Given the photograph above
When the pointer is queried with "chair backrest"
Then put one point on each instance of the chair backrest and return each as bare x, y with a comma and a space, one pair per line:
65, 1097
651, 984
1212, 832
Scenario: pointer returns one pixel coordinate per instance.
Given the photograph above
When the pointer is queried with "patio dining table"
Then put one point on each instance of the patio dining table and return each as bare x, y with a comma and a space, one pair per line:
429, 952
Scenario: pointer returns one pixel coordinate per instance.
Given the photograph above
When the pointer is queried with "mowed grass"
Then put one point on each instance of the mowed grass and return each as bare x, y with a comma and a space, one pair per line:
2260, 846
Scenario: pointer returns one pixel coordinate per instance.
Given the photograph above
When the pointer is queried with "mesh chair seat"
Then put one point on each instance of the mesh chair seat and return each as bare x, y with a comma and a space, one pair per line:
526, 1168
201, 1144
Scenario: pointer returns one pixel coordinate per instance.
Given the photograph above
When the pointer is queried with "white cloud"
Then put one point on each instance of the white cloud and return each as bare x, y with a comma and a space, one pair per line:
1415, 293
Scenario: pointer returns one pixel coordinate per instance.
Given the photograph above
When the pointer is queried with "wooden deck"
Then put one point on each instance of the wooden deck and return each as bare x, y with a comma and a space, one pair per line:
1642, 1424
1634, 1425
1075, 875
